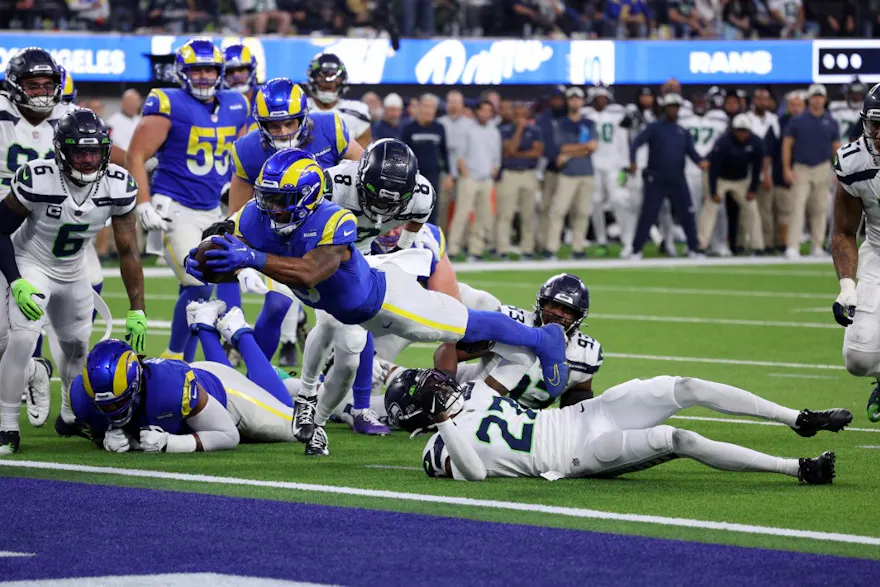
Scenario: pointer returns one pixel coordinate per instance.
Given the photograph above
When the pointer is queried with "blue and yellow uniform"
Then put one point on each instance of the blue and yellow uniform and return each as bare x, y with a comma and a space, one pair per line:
170, 392
194, 159
326, 140
354, 293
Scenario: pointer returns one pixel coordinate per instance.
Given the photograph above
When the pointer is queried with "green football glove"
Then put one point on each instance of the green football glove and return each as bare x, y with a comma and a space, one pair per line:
136, 330
23, 293
622, 177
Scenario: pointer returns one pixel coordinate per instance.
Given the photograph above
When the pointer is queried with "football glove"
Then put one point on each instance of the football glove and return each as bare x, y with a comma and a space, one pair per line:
150, 218
116, 440
844, 307
136, 330
251, 282
153, 439
233, 255
23, 293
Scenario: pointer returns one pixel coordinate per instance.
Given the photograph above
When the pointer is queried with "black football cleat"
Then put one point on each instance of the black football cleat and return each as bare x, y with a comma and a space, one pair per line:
818, 471
318, 445
874, 404
10, 442
304, 418
808, 423
64, 429
287, 356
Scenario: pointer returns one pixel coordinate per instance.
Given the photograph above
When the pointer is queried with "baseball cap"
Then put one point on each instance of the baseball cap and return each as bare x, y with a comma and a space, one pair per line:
393, 100
741, 122
816, 90
574, 91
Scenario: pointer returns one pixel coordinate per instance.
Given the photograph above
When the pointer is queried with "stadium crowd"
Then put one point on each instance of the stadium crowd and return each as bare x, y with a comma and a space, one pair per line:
727, 19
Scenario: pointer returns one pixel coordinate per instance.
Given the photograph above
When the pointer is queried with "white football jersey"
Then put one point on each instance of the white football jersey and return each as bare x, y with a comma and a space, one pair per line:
789, 9
20, 141
519, 370
63, 217
845, 116
646, 117
857, 168
355, 114
342, 180
612, 152
513, 441
705, 130
761, 125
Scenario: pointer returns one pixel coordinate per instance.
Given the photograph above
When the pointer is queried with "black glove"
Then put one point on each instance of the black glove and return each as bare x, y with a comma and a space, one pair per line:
843, 317
219, 228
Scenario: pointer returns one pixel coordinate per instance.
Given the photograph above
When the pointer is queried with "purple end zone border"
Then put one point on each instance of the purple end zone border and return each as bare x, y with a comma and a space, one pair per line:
80, 530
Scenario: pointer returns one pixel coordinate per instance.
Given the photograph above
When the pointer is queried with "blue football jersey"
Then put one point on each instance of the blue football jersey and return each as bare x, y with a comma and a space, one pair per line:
353, 294
327, 140
170, 393
194, 160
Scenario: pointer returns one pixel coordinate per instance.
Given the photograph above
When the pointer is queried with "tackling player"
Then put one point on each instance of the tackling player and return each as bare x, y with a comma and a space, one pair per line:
328, 83
293, 236
619, 432
283, 121
857, 308
63, 203
190, 130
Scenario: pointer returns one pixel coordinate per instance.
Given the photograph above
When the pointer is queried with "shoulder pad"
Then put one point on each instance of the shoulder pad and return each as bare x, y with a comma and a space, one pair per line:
158, 102
585, 354
853, 163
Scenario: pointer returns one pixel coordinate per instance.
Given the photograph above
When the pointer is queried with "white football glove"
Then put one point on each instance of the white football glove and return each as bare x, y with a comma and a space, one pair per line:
116, 440
150, 218
427, 241
845, 305
250, 281
153, 439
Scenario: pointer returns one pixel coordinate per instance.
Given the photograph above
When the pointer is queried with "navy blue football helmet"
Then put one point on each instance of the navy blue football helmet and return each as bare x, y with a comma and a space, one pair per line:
870, 115
386, 178
564, 290
82, 146
33, 62
416, 393
328, 78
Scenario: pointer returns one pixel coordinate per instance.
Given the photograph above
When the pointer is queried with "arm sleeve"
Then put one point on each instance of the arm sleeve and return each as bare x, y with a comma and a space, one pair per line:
124, 202
640, 140
466, 463
215, 427
340, 229
236, 161
443, 154
692, 150
341, 135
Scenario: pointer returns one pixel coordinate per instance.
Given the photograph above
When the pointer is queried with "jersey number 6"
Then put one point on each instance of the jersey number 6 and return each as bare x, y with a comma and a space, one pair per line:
208, 149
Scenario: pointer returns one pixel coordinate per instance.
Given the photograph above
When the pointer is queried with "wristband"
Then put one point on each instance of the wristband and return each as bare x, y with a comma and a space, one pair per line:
181, 443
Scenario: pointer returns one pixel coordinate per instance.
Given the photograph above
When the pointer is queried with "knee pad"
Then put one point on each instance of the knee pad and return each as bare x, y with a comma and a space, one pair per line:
351, 340
662, 438
608, 447
861, 363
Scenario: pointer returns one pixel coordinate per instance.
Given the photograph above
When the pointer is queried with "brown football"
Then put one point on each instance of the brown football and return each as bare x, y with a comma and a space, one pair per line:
209, 274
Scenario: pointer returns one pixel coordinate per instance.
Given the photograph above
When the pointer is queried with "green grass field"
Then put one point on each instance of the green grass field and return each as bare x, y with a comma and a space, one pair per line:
765, 328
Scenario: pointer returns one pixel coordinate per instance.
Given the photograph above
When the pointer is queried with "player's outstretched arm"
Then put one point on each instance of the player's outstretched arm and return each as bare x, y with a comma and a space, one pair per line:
464, 458
307, 272
845, 253
125, 235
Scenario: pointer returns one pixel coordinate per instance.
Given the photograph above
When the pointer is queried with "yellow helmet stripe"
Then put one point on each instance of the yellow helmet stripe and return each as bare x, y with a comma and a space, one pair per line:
293, 107
68, 84
188, 54
120, 377
246, 56
295, 171
341, 140
87, 384
261, 108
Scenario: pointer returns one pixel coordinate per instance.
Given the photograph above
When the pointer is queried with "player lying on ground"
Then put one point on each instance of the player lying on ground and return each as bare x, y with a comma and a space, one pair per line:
619, 432
857, 308
289, 233
165, 405
61, 204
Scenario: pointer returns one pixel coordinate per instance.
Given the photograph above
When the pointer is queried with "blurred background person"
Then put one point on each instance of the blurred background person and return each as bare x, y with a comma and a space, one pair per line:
427, 138
638, 115
735, 166
477, 168
572, 151
522, 146
391, 125
548, 173
456, 125
808, 145
793, 106
123, 123
764, 121
374, 103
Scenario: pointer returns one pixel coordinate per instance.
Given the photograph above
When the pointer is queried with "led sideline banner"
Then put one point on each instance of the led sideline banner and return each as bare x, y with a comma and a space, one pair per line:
125, 58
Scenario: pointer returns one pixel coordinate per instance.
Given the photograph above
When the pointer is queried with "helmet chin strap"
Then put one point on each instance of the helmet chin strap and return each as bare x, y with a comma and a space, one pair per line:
326, 97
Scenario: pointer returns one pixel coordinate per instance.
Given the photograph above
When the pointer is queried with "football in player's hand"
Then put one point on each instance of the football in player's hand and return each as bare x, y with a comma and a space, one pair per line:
211, 276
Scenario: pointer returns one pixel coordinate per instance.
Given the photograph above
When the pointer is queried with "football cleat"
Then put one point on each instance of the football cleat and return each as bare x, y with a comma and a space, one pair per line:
287, 356
202, 314
367, 422
10, 442
818, 471
551, 353
304, 418
808, 423
232, 325
65, 430
317, 446
38, 397
874, 404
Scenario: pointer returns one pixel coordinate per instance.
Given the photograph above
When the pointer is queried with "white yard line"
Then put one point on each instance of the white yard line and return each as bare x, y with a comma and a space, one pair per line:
870, 446
672, 290
392, 467
769, 272
455, 501
8, 554
724, 321
800, 376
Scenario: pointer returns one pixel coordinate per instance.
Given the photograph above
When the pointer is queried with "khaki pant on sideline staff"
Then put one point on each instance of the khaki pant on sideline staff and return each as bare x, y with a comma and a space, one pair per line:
765, 208
548, 188
809, 199
751, 217
516, 190
472, 195
573, 194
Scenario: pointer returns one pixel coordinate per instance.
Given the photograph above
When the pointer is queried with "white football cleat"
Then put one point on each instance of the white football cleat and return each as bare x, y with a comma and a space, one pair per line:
232, 325
38, 396
792, 254
201, 313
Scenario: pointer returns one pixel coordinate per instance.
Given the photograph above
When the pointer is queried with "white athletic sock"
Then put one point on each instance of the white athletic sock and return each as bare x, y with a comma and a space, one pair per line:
336, 385
9, 412
730, 457
315, 353
727, 399
13, 375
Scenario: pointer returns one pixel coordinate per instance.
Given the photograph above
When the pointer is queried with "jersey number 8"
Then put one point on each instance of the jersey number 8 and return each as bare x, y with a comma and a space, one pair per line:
208, 149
